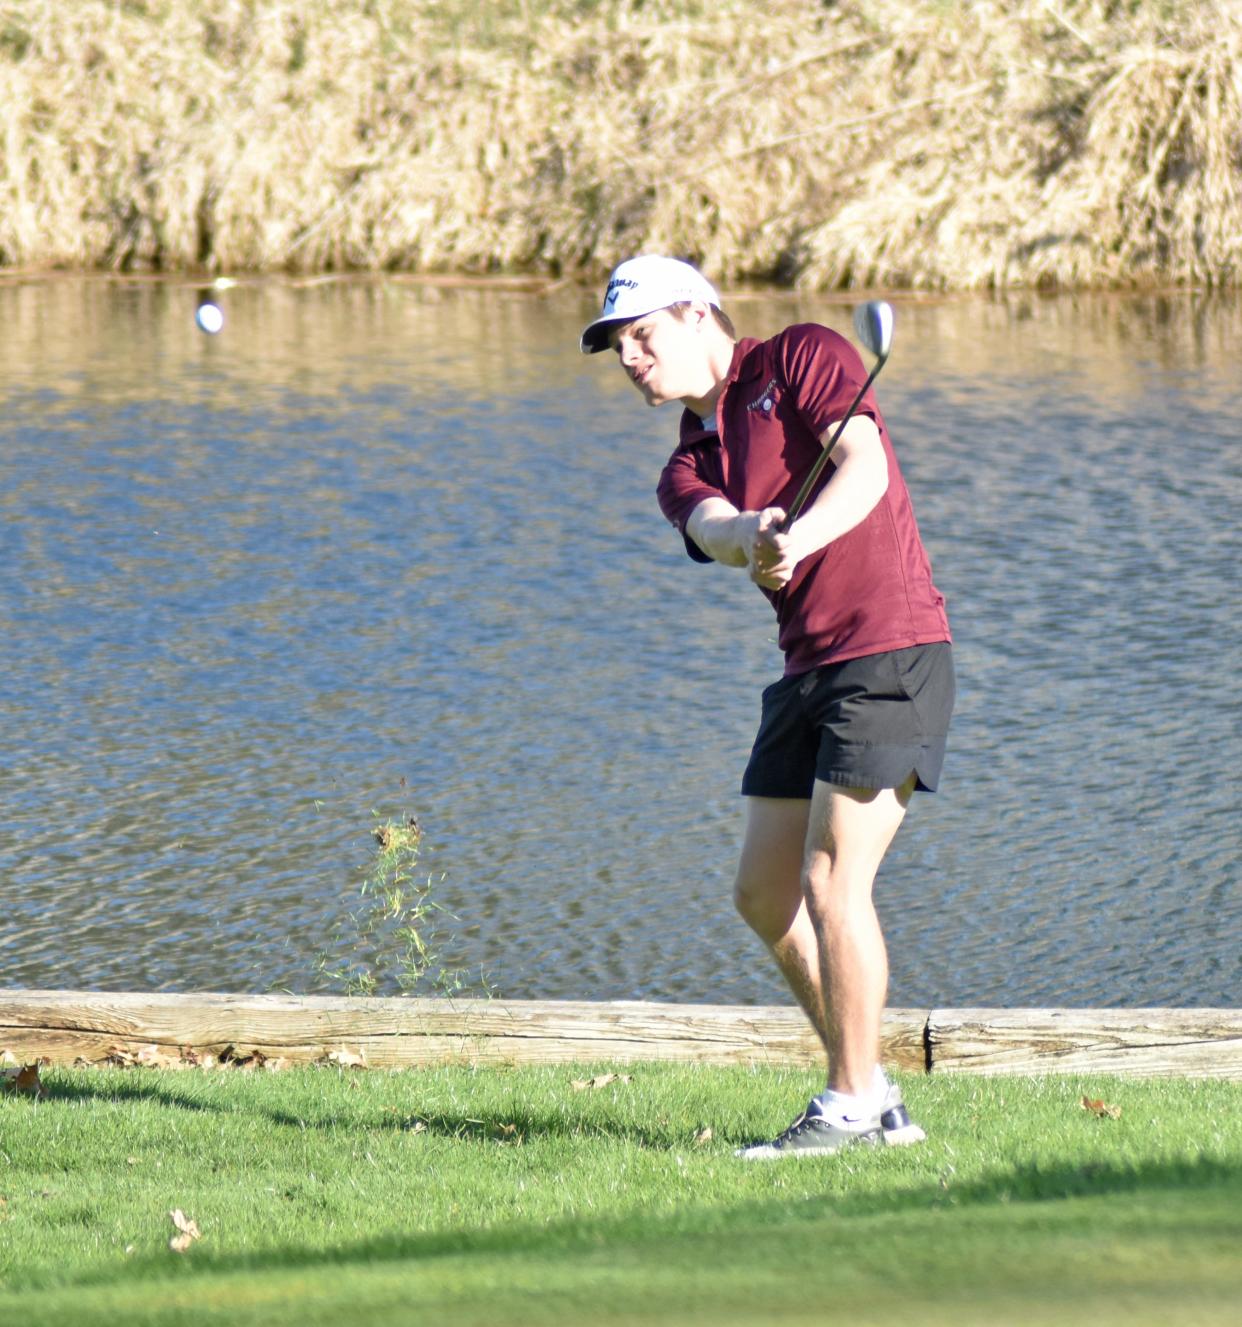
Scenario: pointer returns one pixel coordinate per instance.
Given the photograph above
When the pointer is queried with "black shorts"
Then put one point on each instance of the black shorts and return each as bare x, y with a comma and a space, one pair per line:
864, 723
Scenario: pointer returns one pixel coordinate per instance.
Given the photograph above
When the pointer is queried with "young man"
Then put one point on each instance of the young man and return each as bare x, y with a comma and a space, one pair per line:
858, 721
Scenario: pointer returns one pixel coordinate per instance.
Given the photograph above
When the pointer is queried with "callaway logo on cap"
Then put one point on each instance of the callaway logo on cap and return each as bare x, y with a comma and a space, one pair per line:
640, 286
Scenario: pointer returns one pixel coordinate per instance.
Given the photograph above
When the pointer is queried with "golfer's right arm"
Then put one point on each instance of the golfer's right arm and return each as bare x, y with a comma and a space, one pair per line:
730, 536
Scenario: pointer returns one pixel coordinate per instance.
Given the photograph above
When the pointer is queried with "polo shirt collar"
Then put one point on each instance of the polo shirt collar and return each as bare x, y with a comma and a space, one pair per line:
744, 365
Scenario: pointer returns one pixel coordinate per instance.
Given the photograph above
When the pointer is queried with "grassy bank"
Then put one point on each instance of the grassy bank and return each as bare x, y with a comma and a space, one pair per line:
900, 143
526, 1196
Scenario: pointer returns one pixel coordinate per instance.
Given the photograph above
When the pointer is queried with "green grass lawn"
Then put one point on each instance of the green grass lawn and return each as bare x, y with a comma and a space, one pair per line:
509, 1197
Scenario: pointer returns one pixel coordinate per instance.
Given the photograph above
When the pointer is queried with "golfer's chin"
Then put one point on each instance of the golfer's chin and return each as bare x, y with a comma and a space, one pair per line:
652, 394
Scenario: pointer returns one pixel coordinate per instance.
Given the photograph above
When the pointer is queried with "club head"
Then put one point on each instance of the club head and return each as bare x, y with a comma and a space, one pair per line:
873, 324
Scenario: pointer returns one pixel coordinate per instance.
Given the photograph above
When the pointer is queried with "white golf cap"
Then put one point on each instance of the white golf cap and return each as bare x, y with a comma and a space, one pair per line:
640, 286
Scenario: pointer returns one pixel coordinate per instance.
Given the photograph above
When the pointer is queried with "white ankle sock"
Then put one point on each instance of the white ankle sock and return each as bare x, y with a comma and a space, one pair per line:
843, 1103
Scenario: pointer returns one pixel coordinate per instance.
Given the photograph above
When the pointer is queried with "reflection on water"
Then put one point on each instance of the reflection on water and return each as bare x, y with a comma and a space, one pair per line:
387, 548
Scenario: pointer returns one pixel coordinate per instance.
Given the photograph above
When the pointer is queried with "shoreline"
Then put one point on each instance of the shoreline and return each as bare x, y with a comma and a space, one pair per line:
903, 146
589, 285
173, 1030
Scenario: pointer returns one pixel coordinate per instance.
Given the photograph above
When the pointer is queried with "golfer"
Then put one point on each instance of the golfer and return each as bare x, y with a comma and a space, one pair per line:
858, 722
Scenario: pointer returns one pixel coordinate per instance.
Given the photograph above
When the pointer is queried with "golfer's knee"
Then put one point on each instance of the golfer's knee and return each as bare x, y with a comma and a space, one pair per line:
840, 909
746, 899
831, 892
760, 909
819, 881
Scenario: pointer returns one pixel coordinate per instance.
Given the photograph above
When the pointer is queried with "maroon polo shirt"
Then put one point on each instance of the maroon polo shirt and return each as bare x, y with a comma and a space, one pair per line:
871, 589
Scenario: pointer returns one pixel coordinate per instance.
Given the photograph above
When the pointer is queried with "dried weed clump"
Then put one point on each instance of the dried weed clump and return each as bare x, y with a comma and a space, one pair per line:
901, 143
1094, 143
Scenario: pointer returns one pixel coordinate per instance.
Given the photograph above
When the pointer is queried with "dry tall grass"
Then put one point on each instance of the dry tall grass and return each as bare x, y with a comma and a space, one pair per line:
899, 143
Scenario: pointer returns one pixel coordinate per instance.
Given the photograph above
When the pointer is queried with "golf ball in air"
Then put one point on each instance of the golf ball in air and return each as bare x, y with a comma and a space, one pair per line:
209, 318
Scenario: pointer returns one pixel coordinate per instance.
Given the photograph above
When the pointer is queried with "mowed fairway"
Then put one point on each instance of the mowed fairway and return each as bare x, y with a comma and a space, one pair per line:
535, 1195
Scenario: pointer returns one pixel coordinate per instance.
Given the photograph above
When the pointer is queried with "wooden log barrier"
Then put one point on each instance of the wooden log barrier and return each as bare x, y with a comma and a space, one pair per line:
1185, 1043
66, 1027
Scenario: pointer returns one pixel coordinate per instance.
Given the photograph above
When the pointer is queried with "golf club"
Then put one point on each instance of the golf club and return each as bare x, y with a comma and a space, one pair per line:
873, 325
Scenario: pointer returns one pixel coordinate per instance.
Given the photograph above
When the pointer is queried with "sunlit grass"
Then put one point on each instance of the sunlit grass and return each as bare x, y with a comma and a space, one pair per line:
320, 1193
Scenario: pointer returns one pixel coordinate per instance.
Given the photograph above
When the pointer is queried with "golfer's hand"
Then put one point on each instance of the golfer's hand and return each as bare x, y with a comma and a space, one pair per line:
770, 558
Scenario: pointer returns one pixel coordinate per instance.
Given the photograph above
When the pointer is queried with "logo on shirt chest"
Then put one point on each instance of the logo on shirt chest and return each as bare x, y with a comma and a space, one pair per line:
766, 400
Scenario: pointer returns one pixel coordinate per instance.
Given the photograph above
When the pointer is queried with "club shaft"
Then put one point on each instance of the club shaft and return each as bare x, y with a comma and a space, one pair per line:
817, 469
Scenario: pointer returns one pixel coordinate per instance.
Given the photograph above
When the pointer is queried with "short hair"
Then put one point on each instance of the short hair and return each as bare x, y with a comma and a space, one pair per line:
723, 320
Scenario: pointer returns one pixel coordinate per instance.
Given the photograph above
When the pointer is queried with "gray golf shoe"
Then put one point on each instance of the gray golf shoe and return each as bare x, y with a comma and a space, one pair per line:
899, 1129
814, 1134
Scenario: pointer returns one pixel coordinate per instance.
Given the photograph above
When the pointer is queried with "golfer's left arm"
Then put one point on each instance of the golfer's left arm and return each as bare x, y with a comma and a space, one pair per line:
851, 493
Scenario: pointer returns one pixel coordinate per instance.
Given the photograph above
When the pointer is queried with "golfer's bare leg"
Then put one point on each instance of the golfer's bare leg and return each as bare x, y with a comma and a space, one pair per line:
768, 893
848, 834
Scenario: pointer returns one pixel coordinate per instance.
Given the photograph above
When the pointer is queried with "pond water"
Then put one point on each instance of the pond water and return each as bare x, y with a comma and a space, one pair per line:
382, 549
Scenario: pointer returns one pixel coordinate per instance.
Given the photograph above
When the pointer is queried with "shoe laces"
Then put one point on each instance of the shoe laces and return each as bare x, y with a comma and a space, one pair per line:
798, 1127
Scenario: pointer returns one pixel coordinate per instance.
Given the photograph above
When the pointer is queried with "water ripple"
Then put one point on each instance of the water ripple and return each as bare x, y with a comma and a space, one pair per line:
352, 556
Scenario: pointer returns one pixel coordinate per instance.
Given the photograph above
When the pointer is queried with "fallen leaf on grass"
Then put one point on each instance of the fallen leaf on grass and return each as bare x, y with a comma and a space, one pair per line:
187, 1057
146, 1057
156, 1057
24, 1082
1101, 1108
346, 1059
188, 1231
600, 1080
233, 1058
